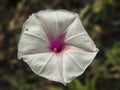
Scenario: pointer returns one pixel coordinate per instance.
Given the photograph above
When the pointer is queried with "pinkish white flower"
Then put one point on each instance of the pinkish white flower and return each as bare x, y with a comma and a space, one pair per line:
55, 45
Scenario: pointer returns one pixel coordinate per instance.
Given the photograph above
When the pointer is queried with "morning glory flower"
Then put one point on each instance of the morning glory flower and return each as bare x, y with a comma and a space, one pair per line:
55, 45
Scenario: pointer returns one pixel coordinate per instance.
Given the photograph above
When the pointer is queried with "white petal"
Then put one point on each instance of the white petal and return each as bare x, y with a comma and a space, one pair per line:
33, 26
29, 44
55, 21
77, 36
45, 65
64, 19
75, 61
37, 61
33, 38
52, 70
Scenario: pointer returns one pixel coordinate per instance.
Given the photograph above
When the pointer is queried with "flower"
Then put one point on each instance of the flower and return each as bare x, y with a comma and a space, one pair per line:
55, 45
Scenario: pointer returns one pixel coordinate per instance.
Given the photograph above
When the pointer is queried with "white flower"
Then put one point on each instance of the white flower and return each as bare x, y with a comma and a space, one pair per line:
55, 45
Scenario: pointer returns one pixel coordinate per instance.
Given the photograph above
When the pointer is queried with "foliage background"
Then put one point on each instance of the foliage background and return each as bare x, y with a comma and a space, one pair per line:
101, 19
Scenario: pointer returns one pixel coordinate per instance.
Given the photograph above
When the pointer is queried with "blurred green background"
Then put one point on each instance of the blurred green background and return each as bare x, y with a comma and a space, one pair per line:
101, 18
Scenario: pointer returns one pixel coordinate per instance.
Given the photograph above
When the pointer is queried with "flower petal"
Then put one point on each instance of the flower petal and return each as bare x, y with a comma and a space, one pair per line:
47, 67
33, 27
52, 70
29, 44
37, 61
33, 38
55, 21
64, 19
77, 36
75, 61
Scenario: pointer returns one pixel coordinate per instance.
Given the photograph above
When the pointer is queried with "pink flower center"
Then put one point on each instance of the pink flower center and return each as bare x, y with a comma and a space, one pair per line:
57, 43
57, 46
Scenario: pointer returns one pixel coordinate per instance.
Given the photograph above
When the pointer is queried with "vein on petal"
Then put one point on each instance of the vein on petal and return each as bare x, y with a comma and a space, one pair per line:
67, 27
49, 57
35, 36
56, 21
47, 32
78, 49
74, 36
32, 51
70, 56
86, 51
60, 63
